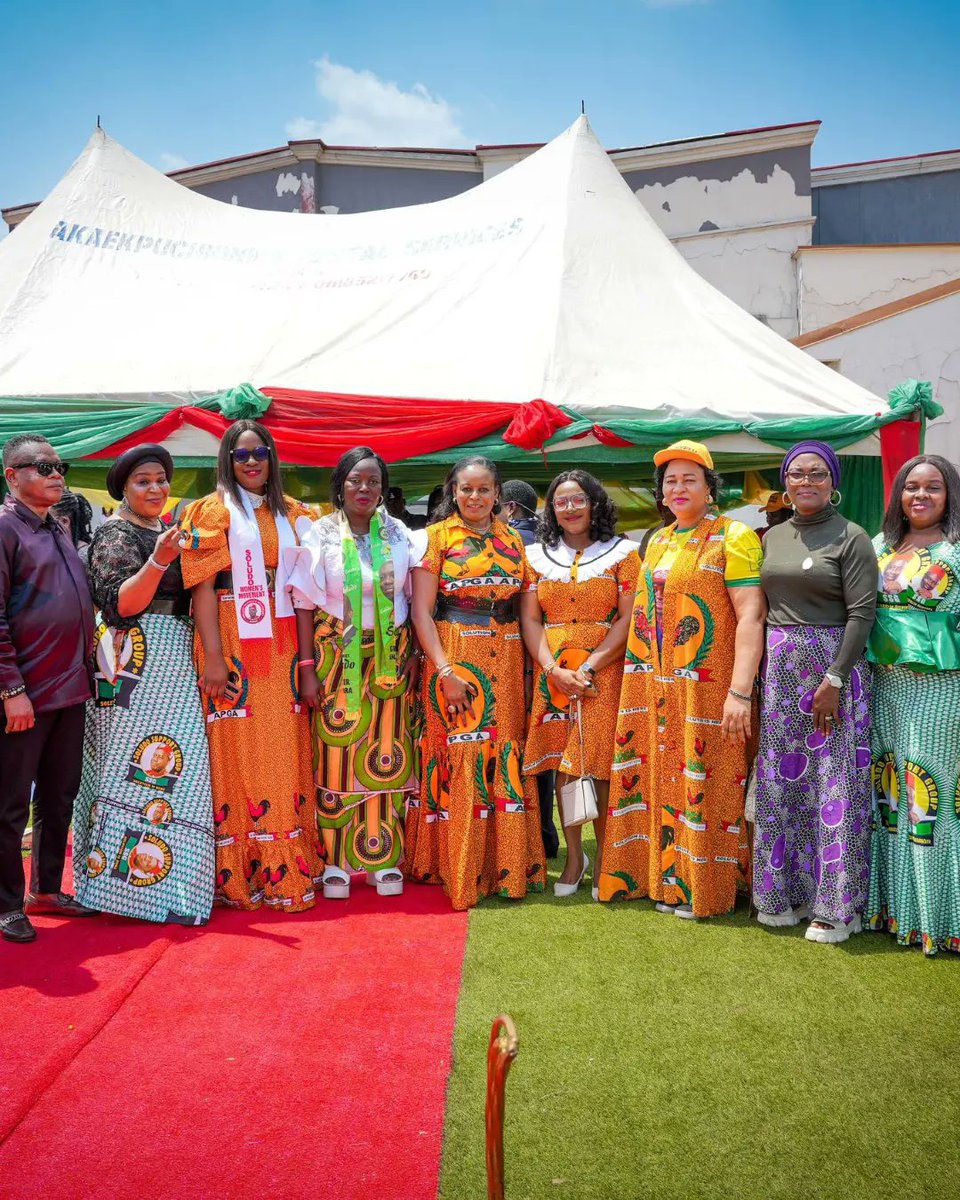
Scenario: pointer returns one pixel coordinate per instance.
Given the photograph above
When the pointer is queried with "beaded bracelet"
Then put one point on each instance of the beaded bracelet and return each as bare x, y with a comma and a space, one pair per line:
740, 696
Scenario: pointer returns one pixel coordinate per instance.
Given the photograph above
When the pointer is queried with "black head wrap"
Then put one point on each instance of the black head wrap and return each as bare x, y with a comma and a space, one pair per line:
130, 459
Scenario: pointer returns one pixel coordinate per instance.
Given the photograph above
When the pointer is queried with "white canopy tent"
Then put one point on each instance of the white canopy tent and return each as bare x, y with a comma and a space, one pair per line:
548, 281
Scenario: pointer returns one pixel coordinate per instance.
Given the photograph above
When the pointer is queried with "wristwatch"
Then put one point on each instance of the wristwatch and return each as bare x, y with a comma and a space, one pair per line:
833, 680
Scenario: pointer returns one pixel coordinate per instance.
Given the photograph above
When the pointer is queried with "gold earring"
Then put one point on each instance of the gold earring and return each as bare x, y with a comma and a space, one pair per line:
787, 502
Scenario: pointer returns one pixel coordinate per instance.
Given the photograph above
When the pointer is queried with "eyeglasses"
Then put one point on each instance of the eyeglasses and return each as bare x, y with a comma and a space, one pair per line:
258, 454
43, 466
810, 476
573, 503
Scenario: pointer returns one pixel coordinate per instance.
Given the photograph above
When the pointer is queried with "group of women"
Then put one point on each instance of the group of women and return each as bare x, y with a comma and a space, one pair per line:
378, 700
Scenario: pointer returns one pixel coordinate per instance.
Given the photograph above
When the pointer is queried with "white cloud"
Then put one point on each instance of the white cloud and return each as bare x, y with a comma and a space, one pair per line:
173, 162
369, 111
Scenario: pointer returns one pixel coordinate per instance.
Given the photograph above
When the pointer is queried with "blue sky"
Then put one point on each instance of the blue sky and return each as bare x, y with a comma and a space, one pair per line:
186, 81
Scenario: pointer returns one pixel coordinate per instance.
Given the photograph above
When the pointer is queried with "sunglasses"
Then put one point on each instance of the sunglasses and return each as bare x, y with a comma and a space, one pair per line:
258, 454
43, 467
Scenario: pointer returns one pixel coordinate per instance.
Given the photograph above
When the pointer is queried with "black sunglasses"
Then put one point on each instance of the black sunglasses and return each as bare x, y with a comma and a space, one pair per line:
43, 467
258, 454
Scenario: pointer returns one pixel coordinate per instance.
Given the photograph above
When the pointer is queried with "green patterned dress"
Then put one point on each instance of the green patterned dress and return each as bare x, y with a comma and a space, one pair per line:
915, 646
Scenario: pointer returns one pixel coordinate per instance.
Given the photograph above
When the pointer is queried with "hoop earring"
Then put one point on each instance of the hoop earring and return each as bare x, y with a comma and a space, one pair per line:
785, 498
839, 496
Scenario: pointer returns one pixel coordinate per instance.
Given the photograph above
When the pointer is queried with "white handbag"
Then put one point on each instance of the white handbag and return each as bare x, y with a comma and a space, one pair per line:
578, 798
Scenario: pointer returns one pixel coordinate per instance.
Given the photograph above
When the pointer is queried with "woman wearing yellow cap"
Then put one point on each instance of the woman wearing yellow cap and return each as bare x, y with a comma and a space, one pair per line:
675, 828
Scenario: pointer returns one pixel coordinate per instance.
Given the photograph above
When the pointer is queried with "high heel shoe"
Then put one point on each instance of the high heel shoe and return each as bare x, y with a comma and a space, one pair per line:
570, 889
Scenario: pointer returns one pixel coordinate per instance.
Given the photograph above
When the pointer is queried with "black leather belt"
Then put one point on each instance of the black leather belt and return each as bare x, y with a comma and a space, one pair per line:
168, 606
467, 611
223, 580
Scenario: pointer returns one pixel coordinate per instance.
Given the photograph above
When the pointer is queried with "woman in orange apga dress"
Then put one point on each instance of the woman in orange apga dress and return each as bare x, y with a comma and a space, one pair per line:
476, 825
575, 616
256, 668
675, 827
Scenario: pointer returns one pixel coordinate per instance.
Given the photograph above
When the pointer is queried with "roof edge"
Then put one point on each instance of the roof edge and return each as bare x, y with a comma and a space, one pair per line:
881, 313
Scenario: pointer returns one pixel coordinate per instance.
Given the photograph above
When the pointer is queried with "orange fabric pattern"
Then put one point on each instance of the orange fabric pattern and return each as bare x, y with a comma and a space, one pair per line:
675, 827
264, 800
579, 601
475, 827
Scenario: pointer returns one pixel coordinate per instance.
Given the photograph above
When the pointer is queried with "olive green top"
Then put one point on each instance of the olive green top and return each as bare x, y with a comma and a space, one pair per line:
822, 570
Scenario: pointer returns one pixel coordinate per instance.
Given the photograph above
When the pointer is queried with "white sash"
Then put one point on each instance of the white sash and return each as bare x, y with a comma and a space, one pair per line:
251, 595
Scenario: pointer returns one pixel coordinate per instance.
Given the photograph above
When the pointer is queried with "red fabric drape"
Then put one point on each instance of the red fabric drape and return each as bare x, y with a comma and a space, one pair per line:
316, 428
899, 441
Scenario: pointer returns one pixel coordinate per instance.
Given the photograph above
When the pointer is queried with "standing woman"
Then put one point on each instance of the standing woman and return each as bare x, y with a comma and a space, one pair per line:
354, 569
476, 828
812, 832
575, 616
915, 871
143, 820
675, 828
255, 663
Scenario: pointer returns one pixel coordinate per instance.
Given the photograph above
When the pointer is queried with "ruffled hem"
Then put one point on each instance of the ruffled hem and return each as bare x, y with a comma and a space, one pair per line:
280, 874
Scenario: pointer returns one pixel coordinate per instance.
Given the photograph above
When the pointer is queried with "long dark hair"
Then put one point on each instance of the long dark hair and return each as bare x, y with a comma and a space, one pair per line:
346, 464
448, 503
227, 481
713, 478
603, 511
895, 523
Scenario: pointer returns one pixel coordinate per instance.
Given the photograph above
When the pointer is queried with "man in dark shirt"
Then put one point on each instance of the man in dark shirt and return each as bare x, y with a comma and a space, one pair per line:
520, 510
46, 630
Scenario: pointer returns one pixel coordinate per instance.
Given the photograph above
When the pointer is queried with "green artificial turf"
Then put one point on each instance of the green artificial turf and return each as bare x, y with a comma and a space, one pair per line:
676, 1059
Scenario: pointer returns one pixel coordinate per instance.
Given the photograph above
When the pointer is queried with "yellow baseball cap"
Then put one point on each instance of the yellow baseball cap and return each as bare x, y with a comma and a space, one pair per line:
687, 450
774, 503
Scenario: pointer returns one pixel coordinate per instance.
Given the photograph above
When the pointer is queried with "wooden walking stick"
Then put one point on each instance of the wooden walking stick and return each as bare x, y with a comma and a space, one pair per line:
503, 1049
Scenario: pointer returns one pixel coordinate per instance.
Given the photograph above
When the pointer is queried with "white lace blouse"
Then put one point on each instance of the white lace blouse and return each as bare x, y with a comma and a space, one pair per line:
317, 580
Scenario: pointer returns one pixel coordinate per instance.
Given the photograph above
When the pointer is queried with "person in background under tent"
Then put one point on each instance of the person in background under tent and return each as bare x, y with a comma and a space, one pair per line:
520, 502
776, 510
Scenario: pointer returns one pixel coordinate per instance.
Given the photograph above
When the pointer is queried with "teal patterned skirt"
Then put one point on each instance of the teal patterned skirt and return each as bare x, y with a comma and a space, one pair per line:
915, 868
143, 842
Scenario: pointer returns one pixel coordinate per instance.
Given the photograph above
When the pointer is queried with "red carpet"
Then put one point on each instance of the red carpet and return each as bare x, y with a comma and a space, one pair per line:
266, 1055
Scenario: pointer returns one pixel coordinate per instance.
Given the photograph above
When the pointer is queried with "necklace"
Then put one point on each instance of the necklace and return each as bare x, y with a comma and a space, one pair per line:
135, 519
476, 528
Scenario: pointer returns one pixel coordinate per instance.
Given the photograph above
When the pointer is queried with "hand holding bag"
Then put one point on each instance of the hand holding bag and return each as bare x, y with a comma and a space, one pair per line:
578, 798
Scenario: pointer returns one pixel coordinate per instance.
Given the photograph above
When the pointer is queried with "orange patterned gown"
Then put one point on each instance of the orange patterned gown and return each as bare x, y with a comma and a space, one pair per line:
476, 825
261, 762
675, 826
579, 595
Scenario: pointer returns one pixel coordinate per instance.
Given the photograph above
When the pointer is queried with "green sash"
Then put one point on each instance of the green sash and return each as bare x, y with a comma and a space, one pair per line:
909, 637
384, 627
